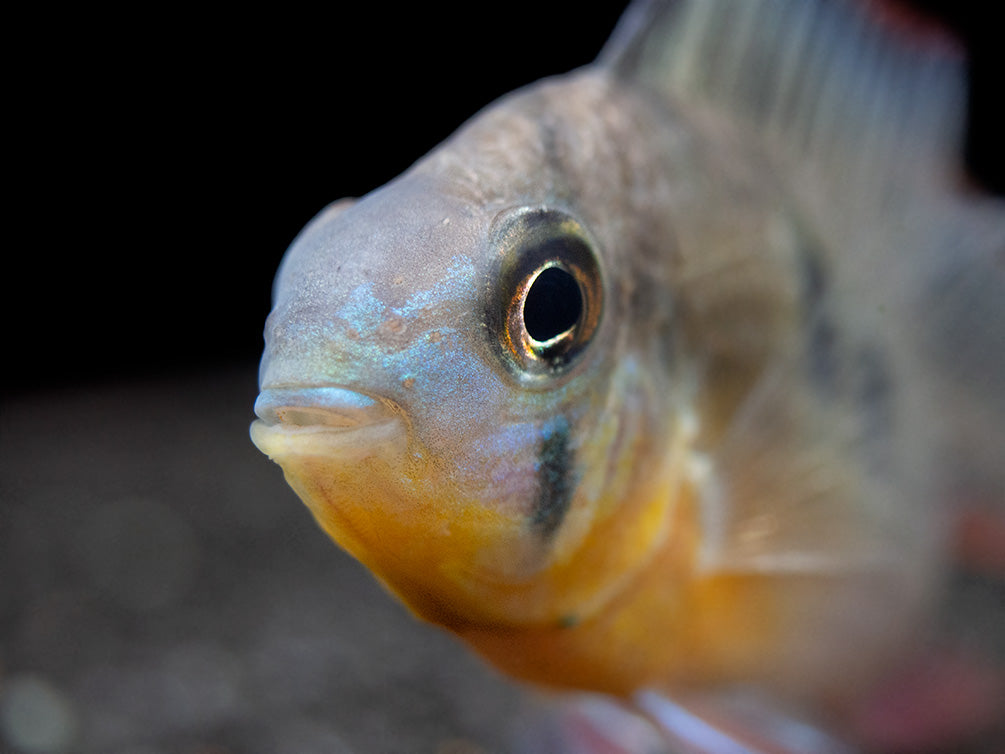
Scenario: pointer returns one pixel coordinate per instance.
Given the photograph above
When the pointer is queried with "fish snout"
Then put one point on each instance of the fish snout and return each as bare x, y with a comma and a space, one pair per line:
326, 421
318, 406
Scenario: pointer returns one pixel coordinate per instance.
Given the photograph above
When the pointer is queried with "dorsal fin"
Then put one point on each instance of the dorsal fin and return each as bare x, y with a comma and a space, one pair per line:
819, 74
824, 79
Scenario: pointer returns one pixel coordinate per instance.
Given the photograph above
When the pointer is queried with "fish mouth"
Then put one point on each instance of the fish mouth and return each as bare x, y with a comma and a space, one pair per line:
327, 421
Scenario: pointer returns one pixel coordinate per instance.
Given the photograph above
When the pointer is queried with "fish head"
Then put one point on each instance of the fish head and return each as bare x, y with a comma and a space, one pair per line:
445, 385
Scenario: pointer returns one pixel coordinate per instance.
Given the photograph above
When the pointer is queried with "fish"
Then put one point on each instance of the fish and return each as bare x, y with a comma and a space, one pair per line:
672, 373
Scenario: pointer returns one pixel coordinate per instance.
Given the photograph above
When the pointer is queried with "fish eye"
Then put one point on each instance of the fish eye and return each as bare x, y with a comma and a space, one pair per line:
553, 304
546, 298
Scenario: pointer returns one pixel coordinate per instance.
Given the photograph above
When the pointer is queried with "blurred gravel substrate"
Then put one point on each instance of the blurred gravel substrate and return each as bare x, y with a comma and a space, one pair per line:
162, 590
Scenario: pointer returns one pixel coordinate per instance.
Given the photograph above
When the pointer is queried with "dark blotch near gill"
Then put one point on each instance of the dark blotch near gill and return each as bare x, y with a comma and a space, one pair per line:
554, 479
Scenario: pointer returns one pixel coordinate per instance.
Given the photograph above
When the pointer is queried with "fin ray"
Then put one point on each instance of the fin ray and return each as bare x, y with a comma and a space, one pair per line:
813, 77
797, 486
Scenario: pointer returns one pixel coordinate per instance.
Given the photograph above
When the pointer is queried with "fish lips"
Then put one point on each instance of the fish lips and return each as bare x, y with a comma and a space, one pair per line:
325, 421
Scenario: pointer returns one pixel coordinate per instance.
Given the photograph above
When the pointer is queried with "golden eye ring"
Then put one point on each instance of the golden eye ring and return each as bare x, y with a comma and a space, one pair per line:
546, 303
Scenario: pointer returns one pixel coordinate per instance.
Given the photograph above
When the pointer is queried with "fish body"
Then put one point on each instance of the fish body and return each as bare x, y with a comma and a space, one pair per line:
660, 374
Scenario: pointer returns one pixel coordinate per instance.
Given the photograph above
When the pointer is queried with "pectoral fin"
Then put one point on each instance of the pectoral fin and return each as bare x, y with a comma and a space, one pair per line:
808, 483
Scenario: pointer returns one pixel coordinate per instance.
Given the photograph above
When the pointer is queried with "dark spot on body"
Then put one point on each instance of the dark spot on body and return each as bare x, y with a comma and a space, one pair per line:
822, 351
814, 279
844, 371
554, 479
568, 621
873, 382
822, 347
550, 143
872, 390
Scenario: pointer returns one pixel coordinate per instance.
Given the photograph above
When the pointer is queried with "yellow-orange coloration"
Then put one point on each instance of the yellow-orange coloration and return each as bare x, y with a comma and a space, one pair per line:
461, 564
578, 617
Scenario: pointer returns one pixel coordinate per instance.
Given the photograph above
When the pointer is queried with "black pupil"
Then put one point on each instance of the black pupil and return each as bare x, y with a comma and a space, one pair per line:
554, 303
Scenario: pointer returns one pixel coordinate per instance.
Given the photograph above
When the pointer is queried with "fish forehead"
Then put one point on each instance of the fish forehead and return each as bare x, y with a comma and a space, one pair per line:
401, 242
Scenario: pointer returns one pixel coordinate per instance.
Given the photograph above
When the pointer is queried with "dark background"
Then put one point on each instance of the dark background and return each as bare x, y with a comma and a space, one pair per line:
161, 589
163, 160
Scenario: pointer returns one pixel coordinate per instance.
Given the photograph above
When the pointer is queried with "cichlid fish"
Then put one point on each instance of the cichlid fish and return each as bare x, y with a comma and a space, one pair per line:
669, 373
